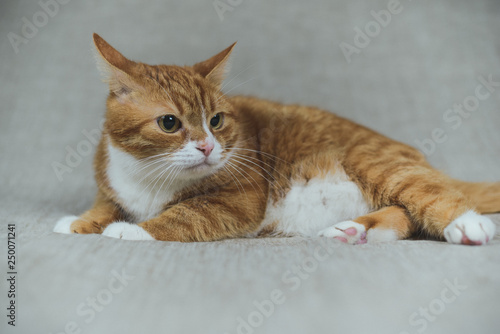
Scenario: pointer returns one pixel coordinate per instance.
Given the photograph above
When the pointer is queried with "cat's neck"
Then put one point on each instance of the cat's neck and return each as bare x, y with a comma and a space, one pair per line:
142, 187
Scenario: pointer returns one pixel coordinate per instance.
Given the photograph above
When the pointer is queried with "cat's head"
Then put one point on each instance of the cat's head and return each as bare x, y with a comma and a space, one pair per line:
173, 114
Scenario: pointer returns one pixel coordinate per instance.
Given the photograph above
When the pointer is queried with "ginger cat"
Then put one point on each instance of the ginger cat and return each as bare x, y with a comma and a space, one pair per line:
180, 161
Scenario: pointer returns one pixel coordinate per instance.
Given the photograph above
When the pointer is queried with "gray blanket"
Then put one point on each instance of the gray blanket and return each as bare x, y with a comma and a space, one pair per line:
398, 69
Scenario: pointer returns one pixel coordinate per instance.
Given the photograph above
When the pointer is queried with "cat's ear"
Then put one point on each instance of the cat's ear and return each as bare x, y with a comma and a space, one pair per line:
116, 69
215, 68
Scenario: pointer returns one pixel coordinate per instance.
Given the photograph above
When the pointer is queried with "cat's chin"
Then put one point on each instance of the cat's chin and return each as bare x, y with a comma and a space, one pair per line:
199, 171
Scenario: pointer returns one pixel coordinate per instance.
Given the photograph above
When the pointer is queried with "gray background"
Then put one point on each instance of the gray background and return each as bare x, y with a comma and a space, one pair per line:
427, 58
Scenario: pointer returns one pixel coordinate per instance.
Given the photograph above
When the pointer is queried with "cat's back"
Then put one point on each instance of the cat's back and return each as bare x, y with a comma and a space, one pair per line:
264, 109
300, 129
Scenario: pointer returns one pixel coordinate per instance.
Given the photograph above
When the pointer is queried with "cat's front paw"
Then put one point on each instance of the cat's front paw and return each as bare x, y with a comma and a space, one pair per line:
63, 225
127, 231
74, 224
470, 229
349, 232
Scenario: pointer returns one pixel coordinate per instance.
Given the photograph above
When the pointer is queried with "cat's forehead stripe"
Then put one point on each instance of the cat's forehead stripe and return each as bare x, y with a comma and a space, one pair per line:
198, 99
179, 83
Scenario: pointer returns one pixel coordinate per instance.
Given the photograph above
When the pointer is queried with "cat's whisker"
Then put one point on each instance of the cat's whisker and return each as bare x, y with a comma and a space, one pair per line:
157, 177
162, 162
273, 181
273, 169
237, 75
158, 156
240, 170
160, 176
147, 162
139, 168
144, 160
244, 141
174, 177
149, 188
168, 95
238, 85
163, 88
235, 180
160, 188
263, 153
265, 163
171, 159
174, 172
171, 171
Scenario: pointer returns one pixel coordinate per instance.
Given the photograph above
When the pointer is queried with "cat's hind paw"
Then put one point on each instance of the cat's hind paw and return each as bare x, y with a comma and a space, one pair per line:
63, 225
470, 229
127, 231
348, 232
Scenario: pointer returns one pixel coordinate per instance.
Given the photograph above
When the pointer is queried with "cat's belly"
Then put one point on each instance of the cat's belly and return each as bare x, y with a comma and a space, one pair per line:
311, 206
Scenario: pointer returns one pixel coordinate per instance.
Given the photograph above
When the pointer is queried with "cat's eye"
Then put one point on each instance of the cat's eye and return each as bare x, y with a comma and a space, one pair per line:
169, 123
217, 121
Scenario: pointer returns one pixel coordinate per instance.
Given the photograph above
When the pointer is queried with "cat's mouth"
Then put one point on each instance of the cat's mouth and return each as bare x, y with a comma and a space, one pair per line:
201, 166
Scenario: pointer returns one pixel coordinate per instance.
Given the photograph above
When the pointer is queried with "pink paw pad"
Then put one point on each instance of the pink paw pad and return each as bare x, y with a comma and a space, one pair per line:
467, 241
348, 232
351, 231
362, 239
344, 240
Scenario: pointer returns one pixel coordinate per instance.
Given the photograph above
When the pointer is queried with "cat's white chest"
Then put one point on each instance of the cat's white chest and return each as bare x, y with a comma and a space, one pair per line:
309, 207
142, 191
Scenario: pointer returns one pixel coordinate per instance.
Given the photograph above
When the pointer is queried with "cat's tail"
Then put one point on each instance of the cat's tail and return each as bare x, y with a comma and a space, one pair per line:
485, 196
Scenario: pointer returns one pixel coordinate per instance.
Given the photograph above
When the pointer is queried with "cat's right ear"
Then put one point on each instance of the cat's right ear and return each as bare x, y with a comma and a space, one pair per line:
215, 68
116, 69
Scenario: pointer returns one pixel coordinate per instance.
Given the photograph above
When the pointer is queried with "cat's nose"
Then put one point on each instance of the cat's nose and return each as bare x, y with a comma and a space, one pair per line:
206, 147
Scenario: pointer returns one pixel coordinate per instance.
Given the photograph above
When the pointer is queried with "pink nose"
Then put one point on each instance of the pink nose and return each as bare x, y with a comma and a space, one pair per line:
206, 147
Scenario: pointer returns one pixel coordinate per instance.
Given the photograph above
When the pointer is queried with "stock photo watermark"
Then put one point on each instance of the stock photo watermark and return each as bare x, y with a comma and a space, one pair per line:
363, 37
74, 156
430, 312
223, 6
31, 27
293, 279
455, 116
11, 275
88, 309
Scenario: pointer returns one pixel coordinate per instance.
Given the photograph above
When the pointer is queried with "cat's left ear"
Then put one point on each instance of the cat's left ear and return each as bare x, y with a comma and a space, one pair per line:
117, 70
215, 68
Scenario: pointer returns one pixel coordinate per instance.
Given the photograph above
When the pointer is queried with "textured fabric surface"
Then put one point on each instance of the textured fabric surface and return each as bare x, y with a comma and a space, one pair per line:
416, 67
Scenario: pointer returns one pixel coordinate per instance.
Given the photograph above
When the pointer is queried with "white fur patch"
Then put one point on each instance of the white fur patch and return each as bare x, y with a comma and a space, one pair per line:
349, 232
126, 231
375, 235
142, 192
63, 225
145, 187
310, 207
470, 228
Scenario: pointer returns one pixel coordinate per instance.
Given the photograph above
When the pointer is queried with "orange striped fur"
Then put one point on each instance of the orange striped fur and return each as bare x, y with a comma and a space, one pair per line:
280, 143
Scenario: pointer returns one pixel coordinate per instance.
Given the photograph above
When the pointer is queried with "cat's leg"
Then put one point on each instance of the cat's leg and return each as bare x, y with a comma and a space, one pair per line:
95, 220
395, 174
201, 218
387, 224
439, 208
